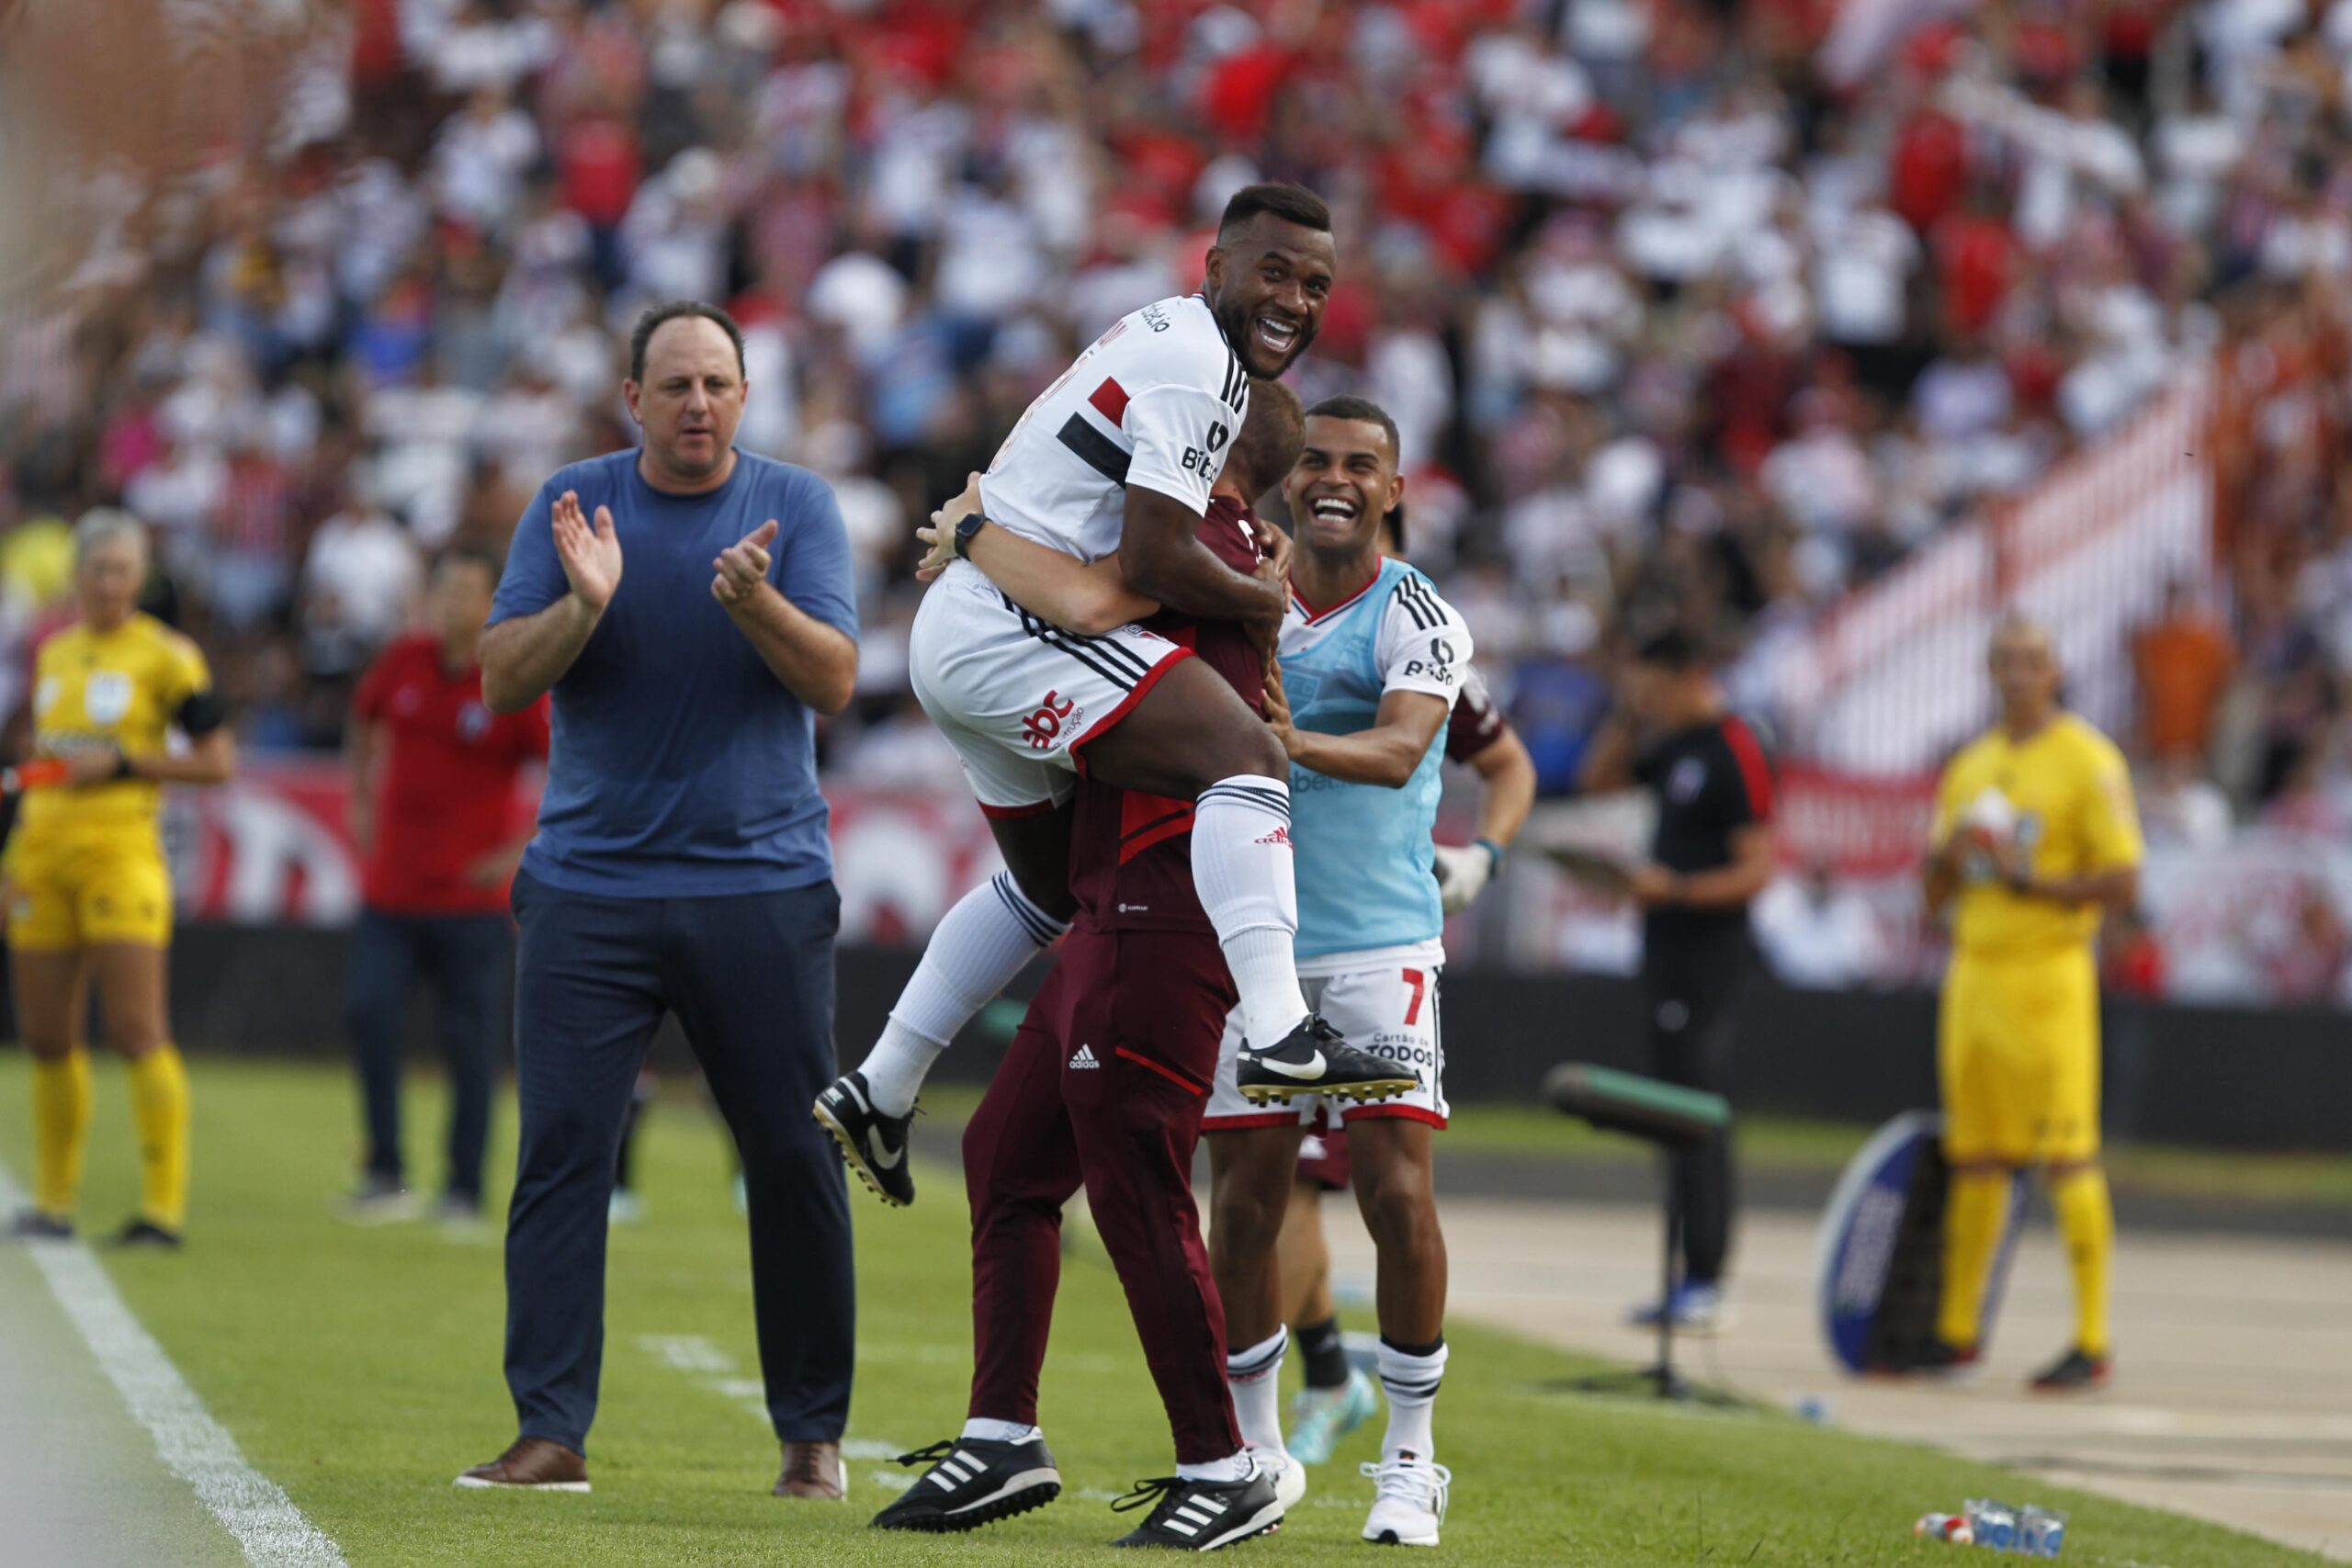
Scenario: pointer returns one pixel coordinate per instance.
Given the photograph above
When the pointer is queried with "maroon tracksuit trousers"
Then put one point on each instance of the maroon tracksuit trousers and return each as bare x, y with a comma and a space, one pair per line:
1104, 1089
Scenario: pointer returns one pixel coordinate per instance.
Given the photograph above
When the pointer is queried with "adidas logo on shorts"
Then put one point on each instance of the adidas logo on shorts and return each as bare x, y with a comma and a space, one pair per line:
1085, 1057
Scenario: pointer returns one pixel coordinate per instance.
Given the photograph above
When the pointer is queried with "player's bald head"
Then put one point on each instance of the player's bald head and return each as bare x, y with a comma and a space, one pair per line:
2022, 635
2023, 660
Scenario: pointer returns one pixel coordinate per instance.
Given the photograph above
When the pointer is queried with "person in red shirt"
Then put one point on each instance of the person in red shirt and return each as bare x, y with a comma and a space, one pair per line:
440, 815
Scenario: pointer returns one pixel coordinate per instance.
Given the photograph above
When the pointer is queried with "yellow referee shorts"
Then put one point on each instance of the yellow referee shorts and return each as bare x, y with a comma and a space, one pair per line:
80, 890
2017, 1057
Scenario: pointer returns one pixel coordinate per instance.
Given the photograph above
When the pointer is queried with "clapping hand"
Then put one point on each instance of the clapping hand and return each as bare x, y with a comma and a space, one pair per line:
591, 556
742, 566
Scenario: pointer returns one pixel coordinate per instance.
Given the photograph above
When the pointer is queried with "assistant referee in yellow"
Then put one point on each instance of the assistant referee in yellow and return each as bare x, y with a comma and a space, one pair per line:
89, 895
2035, 840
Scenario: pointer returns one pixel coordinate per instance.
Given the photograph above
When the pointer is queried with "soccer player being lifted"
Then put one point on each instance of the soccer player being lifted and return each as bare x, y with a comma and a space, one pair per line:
1104, 1089
1119, 457
1372, 660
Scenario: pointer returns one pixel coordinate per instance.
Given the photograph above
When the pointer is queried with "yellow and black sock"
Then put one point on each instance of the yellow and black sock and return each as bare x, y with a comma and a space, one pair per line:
2087, 1224
1978, 1202
60, 1130
159, 1109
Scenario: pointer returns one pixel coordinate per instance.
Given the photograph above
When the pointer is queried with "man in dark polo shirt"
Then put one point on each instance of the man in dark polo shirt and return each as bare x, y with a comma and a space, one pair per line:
1676, 736
437, 811
680, 866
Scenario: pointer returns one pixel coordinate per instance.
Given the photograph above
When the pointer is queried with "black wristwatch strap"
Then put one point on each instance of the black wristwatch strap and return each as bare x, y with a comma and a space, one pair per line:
969, 526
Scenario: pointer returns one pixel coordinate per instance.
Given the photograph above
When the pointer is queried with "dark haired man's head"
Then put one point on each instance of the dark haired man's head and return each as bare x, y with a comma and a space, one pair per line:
1270, 439
656, 317
686, 388
1270, 274
1345, 480
457, 600
1670, 679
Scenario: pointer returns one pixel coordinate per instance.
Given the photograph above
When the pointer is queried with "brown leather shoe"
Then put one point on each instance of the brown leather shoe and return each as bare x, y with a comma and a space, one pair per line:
814, 1470
536, 1462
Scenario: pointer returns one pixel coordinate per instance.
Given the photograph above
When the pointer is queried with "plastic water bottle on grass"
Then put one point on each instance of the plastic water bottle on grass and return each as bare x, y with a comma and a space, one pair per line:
1993, 1524
2040, 1531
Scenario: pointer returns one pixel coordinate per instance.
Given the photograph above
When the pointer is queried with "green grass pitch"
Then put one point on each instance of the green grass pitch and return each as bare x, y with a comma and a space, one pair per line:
361, 1370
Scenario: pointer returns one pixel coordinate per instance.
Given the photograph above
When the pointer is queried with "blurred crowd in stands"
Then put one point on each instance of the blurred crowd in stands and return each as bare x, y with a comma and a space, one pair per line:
1693, 309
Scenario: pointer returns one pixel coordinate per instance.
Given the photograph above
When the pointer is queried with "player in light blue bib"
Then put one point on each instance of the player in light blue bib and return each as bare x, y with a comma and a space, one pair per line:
1371, 662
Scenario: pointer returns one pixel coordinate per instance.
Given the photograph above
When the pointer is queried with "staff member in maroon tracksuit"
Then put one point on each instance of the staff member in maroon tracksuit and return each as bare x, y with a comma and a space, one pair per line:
437, 809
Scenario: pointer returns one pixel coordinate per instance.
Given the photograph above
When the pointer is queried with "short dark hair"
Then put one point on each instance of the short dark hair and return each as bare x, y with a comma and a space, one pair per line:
642, 335
1362, 410
1292, 204
1671, 648
1271, 439
466, 553
1394, 522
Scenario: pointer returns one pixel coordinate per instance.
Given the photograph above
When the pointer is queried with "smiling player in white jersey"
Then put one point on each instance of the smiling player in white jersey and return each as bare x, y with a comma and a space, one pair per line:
1372, 662
1119, 457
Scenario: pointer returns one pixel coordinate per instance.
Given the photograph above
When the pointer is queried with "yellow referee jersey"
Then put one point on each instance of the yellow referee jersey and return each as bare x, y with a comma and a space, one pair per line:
120, 689
2071, 795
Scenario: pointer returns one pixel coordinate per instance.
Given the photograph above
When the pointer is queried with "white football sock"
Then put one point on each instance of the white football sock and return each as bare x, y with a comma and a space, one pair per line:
989, 1431
1244, 872
981, 944
1255, 1377
1411, 1383
1236, 1467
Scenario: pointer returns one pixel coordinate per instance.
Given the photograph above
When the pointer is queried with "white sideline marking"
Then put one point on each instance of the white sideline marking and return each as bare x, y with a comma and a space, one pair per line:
198, 1450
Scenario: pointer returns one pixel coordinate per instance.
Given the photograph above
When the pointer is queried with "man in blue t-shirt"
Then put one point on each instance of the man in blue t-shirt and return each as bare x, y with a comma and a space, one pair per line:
680, 865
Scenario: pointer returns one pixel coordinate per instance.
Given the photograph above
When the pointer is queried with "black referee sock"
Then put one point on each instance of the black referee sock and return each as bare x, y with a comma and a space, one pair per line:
1327, 1358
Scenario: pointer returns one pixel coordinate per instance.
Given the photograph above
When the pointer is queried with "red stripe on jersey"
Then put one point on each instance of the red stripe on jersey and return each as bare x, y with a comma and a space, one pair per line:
1109, 400
1148, 820
1753, 770
1170, 1074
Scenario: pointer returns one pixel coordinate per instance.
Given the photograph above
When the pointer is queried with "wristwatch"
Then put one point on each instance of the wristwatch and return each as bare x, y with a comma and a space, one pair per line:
965, 530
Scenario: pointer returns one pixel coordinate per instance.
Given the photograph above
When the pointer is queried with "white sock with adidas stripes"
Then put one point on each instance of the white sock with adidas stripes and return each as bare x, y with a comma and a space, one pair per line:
1245, 875
1234, 1467
1410, 1381
989, 1431
980, 946
1255, 1377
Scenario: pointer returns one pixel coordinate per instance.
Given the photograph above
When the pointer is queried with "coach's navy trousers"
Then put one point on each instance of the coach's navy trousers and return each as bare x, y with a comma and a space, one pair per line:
751, 979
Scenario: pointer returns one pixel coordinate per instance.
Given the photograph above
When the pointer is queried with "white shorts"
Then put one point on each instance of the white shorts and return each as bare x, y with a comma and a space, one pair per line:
1018, 696
1390, 1011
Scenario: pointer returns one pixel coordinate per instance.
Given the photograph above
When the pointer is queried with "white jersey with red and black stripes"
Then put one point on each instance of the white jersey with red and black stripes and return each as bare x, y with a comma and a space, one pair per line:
1155, 402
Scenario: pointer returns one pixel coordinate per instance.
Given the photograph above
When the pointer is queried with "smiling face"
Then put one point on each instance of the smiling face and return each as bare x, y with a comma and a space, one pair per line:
1269, 279
689, 403
1344, 481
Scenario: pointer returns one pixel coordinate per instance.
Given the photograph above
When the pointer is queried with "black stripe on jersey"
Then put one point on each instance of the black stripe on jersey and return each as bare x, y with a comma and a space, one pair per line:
1113, 653
1092, 655
1157, 823
1236, 383
1044, 631
1421, 604
1097, 450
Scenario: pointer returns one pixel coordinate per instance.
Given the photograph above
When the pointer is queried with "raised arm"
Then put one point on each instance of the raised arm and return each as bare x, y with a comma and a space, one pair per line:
1403, 729
573, 570
817, 662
